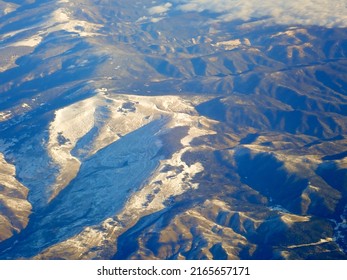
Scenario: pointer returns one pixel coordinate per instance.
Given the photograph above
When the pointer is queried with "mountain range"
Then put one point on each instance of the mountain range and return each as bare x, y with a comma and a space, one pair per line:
156, 130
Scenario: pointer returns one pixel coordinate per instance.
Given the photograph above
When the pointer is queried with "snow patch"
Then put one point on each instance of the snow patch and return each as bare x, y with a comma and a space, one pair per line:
229, 45
62, 20
70, 124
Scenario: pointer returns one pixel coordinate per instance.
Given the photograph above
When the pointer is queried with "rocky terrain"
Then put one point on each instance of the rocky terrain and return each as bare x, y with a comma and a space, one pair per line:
157, 130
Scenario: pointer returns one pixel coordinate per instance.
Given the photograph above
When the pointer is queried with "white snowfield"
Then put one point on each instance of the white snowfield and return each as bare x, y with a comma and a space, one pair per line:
104, 120
109, 115
63, 20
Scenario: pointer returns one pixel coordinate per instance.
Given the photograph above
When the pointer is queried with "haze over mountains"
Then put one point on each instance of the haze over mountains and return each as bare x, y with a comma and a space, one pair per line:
173, 130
